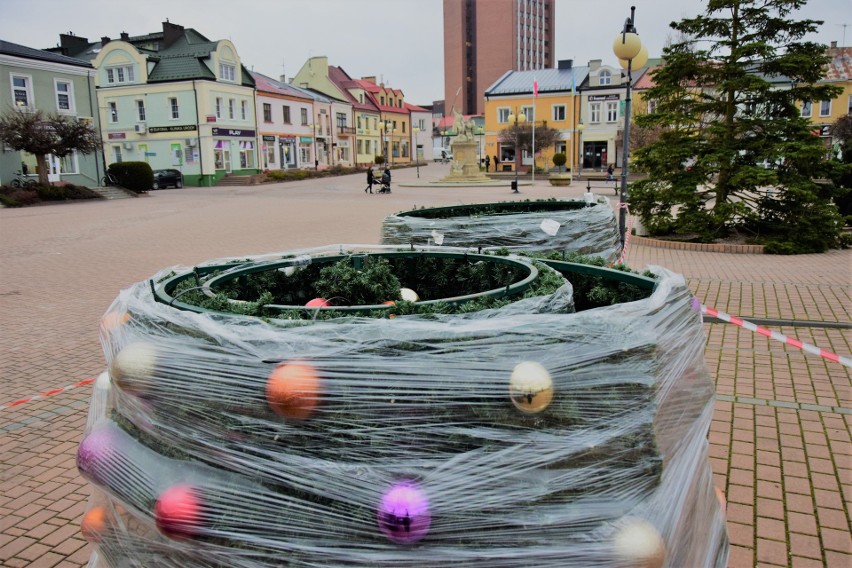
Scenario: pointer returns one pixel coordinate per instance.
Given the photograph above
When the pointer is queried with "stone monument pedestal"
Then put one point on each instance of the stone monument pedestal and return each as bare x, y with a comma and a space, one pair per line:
465, 166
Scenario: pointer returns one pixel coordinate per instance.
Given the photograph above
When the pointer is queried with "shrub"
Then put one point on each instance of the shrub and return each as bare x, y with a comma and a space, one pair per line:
379, 159
559, 160
80, 192
135, 176
18, 196
51, 192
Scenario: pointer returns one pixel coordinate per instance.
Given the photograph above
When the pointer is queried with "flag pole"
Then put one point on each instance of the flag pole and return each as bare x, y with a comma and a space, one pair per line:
535, 96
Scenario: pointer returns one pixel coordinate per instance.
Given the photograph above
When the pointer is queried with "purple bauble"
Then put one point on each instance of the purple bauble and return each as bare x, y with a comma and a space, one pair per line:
94, 453
695, 304
403, 514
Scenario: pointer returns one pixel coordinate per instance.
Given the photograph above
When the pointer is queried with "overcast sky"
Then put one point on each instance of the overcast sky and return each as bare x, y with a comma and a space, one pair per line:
400, 41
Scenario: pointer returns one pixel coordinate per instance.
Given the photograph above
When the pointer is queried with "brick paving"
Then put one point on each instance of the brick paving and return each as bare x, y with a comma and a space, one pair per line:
779, 441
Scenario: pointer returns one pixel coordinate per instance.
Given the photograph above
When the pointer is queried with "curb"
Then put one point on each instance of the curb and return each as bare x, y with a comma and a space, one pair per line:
702, 247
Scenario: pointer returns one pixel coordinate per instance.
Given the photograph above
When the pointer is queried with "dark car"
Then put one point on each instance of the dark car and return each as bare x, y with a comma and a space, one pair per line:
165, 178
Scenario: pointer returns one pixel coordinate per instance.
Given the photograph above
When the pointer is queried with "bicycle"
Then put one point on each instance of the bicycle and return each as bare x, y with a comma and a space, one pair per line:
109, 180
21, 180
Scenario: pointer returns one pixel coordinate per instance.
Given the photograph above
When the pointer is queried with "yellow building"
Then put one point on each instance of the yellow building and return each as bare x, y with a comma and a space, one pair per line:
823, 114
557, 106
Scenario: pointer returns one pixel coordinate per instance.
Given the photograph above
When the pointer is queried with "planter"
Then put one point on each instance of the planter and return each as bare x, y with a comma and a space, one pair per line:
563, 226
512, 432
560, 179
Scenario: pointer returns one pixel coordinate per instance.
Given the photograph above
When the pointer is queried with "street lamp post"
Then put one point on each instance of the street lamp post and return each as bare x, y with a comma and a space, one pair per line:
416, 157
580, 128
517, 119
628, 48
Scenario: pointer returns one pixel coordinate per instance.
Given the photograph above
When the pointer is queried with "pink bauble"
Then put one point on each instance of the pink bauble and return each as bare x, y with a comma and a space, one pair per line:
179, 511
317, 303
403, 513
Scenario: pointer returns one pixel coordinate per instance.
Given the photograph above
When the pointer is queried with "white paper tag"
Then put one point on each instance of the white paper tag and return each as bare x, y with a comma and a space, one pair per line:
550, 227
437, 237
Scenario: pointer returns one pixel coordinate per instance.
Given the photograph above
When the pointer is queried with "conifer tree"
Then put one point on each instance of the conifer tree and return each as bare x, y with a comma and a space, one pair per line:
735, 152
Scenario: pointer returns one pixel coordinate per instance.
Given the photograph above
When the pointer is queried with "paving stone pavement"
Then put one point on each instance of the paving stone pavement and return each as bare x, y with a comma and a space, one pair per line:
779, 441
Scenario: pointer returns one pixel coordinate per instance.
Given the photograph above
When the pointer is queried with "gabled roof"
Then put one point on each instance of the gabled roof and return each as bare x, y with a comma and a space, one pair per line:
344, 82
646, 81
414, 108
16, 50
549, 81
269, 85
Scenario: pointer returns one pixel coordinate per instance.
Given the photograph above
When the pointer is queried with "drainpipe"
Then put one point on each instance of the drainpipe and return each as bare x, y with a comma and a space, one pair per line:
92, 109
198, 131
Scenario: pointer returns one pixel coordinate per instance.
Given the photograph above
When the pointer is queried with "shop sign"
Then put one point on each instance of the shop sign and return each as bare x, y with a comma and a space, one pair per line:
116, 135
604, 97
268, 138
233, 132
177, 128
305, 139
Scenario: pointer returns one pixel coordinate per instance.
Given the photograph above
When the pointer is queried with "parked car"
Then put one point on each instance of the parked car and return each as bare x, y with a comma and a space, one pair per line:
165, 178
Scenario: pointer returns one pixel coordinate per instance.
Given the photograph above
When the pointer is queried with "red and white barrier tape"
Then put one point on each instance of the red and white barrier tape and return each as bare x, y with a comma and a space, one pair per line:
806, 347
46, 394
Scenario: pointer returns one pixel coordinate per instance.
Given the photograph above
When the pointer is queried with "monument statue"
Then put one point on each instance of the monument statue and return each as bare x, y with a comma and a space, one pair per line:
465, 167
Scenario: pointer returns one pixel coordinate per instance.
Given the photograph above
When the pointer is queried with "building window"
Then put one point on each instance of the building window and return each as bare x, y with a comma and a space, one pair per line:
64, 96
594, 112
652, 106
360, 145
116, 154
113, 112
341, 119
403, 127
231, 108
227, 72
218, 107
286, 110
267, 112
120, 75
382, 98
304, 113
140, 110
529, 112
605, 78
806, 108
825, 108
173, 105
611, 111
68, 164
246, 155
270, 153
558, 113
243, 109
22, 90
849, 106
502, 115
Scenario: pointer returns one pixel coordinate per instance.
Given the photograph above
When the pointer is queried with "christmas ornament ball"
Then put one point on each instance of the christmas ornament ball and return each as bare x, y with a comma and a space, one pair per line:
317, 303
133, 366
638, 544
530, 387
179, 511
403, 514
293, 389
93, 523
409, 295
96, 454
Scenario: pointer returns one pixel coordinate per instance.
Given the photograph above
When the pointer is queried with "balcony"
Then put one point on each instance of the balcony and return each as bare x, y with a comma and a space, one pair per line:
345, 130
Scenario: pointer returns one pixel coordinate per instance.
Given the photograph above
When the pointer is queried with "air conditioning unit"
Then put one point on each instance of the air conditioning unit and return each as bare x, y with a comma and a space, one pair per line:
191, 142
140, 129
128, 146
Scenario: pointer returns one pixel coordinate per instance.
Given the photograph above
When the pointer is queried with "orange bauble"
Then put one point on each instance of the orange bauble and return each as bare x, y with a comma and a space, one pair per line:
293, 389
94, 523
114, 320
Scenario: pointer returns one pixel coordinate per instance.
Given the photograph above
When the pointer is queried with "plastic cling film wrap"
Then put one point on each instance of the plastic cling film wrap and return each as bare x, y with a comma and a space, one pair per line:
530, 226
518, 435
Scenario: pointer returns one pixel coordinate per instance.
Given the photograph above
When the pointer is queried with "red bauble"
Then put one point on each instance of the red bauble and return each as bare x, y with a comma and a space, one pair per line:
179, 511
317, 303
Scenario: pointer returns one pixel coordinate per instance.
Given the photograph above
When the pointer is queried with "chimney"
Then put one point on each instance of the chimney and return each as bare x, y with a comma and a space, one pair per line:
282, 78
71, 43
565, 64
125, 36
594, 64
371, 79
171, 33
105, 40
834, 45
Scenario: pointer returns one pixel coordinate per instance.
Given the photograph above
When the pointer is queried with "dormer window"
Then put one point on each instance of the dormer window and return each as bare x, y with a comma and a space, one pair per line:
605, 77
227, 72
120, 75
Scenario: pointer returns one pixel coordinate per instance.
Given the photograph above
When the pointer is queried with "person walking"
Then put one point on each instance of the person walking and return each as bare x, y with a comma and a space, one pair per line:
487, 162
369, 179
496, 162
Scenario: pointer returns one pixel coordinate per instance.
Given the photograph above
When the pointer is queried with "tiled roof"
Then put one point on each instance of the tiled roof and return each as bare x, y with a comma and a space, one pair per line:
549, 81
269, 85
840, 68
414, 108
646, 81
344, 82
14, 49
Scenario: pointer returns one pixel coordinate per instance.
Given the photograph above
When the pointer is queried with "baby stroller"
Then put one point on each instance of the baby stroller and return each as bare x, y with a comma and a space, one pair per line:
386, 179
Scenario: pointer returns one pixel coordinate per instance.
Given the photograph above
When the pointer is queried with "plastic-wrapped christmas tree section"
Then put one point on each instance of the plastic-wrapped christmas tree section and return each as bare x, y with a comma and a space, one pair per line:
568, 226
486, 424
